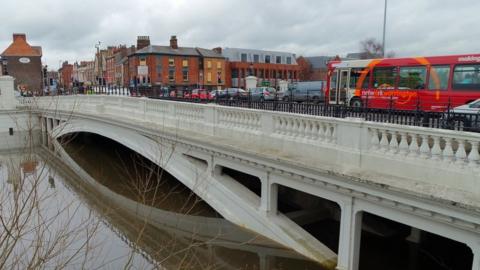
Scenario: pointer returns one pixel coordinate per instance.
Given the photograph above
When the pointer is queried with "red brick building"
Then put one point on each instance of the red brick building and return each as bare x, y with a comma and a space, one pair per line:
172, 66
65, 74
24, 63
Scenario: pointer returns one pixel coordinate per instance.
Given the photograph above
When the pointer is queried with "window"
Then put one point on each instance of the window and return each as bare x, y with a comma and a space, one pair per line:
234, 73
209, 64
256, 58
219, 77
267, 59
143, 60
184, 63
356, 76
171, 75
159, 65
243, 57
384, 78
439, 77
219, 65
412, 78
209, 77
185, 75
278, 60
171, 62
289, 60
466, 77
333, 80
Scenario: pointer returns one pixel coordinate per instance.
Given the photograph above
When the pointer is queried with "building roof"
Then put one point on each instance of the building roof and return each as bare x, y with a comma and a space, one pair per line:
154, 49
20, 47
209, 53
319, 62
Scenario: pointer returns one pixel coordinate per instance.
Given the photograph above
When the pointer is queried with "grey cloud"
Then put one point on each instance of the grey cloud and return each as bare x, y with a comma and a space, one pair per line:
68, 30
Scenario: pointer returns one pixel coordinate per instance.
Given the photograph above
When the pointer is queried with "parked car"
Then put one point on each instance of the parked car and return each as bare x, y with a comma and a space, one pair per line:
232, 93
304, 91
262, 93
200, 94
463, 117
215, 93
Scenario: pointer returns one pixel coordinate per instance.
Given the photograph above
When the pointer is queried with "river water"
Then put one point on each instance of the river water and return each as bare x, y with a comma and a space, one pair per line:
64, 220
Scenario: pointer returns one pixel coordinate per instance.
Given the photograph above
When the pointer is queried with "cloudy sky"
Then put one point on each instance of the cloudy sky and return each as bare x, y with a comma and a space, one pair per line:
68, 30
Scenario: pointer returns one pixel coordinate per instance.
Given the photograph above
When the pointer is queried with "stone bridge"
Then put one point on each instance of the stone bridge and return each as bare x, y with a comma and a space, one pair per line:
424, 178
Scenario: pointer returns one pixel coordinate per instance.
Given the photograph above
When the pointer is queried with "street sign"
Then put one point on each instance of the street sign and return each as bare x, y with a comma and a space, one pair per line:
265, 83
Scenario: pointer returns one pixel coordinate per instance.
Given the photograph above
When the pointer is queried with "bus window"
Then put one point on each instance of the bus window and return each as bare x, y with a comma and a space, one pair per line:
438, 79
466, 77
412, 78
384, 78
333, 81
356, 76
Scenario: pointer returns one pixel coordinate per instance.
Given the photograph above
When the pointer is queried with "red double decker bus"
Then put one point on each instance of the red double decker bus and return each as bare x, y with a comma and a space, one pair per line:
426, 83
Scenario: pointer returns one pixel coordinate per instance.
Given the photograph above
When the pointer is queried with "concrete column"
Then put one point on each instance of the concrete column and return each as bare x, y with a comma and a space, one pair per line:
350, 237
476, 255
269, 197
43, 125
7, 94
49, 131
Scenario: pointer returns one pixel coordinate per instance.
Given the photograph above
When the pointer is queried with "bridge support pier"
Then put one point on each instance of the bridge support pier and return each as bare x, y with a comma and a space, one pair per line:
476, 256
350, 236
269, 196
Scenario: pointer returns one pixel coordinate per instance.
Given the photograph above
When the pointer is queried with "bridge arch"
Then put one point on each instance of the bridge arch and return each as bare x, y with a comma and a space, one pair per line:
205, 184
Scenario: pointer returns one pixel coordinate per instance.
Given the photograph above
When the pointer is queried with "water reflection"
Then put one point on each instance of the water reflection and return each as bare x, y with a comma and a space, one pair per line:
165, 221
45, 227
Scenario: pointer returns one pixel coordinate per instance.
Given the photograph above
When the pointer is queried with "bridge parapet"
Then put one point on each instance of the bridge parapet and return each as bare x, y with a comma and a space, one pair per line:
420, 160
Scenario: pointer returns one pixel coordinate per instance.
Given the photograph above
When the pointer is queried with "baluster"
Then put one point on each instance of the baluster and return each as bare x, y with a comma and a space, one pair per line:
436, 150
310, 127
460, 154
281, 126
334, 133
403, 146
374, 141
384, 141
316, 130
328, 132
447, 153
393, 143
413, 148
473, 157
424, 148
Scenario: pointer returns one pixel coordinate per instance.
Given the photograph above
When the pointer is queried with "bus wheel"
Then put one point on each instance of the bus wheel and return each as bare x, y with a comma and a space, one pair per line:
356, 103
286, 99
316, 100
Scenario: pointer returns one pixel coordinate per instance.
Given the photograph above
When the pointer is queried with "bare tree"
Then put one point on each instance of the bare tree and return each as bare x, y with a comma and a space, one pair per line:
371, 48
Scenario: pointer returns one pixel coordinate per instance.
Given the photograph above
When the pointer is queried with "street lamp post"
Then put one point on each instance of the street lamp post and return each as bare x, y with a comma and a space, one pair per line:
384, 26
99, 73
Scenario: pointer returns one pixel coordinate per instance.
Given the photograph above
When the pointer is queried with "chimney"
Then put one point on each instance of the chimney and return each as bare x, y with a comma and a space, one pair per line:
17, 36
142, 42
173, 42
217, 50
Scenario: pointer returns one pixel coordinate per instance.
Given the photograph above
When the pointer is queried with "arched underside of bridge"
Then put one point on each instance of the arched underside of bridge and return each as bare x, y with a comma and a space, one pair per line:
209, 181
202, 169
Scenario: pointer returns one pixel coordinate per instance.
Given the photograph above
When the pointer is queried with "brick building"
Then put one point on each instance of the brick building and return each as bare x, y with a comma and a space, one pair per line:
65, 75
24, 63
269, 67
175, 67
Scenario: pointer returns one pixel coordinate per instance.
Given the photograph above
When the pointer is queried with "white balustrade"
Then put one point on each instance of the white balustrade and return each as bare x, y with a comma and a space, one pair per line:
447, 147
367, 148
